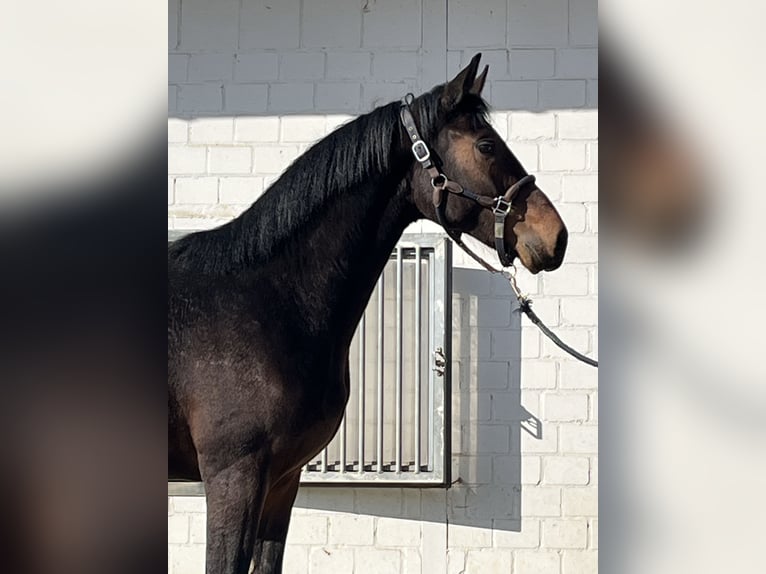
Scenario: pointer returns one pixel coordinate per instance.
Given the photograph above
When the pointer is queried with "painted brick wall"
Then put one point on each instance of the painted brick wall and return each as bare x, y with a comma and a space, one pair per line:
252, 84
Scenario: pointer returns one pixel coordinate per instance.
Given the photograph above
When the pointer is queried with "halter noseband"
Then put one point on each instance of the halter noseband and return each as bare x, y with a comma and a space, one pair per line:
501, 206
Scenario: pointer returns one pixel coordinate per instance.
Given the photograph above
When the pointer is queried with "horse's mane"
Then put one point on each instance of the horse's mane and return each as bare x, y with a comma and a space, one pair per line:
357, 152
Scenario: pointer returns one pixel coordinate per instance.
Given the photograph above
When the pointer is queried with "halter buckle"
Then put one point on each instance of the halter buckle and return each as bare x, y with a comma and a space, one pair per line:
420, 151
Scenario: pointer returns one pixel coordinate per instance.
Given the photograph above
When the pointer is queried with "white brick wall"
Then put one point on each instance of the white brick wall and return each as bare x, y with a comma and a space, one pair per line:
250, 87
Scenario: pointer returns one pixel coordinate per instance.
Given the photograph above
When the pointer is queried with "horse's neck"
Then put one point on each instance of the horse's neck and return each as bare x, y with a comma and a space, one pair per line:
330, 273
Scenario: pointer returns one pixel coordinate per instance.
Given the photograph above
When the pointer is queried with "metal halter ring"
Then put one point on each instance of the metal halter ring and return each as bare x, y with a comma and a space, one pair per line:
502, 207
439, 181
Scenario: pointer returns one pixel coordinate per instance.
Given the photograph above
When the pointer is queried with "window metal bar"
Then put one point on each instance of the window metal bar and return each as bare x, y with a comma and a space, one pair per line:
398, 365
342, 467
361, 416
418, 353
380, 364
431, 349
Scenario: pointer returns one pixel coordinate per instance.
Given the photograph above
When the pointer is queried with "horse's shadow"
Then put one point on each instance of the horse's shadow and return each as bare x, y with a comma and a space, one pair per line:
489, 424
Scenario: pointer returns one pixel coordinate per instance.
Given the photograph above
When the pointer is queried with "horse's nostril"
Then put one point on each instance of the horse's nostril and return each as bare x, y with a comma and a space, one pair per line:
561, 244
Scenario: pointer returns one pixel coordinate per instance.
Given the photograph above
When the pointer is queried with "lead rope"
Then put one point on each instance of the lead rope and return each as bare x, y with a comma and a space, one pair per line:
525, 303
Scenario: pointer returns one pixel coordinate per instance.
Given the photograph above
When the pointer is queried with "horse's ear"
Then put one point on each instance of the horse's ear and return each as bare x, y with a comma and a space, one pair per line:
478, 83
461, 84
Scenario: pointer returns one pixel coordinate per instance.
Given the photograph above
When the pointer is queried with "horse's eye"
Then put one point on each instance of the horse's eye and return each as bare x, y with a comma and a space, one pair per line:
487, 147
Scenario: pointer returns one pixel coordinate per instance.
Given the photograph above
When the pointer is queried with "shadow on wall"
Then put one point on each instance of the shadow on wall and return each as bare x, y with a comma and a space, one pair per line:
232, 58
488, 423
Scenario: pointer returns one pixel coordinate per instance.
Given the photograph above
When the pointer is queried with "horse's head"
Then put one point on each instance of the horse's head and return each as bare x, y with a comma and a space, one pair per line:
468, 151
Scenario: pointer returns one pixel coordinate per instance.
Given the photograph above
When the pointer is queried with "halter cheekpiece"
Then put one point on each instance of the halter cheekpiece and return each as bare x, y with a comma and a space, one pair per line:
501, 205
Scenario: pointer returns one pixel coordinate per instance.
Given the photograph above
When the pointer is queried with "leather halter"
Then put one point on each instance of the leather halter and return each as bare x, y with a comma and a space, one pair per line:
501, 205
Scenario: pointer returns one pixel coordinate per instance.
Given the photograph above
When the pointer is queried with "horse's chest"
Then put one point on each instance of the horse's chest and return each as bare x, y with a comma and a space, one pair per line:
326, 408
314, 419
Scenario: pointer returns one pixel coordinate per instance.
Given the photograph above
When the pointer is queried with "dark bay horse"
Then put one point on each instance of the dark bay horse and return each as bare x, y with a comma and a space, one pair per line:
262, 310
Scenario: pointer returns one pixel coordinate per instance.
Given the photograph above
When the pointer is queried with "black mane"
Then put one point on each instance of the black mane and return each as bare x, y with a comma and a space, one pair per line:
360, 151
